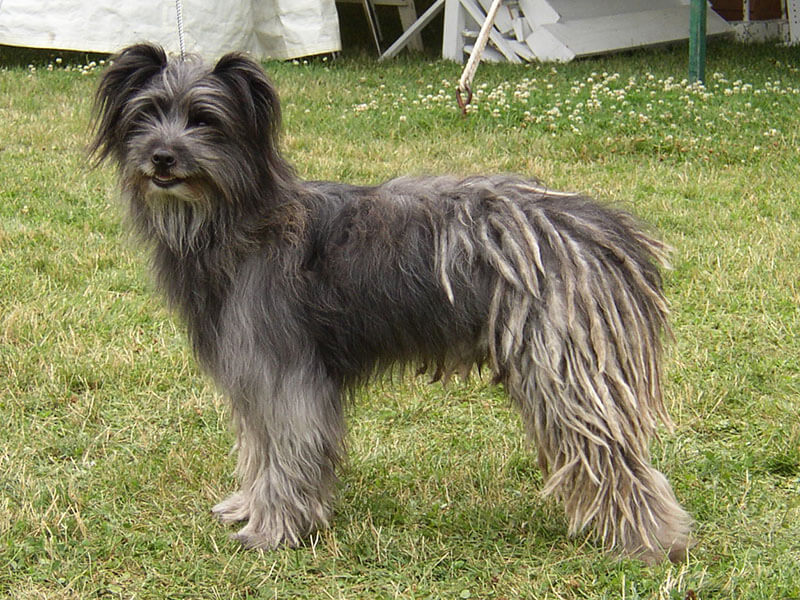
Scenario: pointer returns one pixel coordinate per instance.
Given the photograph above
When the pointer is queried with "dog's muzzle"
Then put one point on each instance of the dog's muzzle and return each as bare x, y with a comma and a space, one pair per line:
164, 162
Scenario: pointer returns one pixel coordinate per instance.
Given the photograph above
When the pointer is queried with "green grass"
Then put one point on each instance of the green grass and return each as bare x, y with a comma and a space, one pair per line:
114, 446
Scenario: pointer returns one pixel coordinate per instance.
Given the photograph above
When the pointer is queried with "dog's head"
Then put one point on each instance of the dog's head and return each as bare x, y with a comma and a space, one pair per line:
182, 131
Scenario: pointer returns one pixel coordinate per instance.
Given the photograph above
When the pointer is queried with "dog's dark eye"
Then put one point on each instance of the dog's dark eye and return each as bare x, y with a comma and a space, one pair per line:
201, 120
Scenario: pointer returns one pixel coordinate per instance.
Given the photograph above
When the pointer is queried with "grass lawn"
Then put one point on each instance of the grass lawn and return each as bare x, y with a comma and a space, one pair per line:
113, 446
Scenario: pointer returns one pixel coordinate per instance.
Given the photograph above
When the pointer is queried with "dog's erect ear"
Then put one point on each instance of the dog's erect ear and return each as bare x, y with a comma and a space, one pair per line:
129, 73
248, 83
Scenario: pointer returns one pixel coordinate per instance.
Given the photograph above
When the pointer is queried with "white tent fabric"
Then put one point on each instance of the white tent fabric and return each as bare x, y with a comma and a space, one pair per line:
280, 29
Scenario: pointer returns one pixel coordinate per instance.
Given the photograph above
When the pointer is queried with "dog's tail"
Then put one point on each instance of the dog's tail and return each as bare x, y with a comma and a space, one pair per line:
575, 327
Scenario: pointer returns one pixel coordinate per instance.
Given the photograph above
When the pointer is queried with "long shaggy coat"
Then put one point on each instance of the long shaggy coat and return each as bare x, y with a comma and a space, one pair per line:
295, 292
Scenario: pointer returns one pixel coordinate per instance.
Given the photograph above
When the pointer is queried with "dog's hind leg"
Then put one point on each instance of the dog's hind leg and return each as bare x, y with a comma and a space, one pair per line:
592, 434
289, 442
575, 326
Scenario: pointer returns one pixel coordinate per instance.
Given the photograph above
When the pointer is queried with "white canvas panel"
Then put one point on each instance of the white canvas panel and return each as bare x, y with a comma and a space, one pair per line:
264, 28
292, 28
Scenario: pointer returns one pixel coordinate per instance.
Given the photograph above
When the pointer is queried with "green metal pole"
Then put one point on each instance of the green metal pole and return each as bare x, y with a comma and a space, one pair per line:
697, 41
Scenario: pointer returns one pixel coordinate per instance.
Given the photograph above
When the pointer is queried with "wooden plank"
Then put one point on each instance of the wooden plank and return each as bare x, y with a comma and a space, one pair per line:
502, 20
590, 9
548, 47
522, 29
420, 23
498, 40
489, 54
408, 16
539, 12
616, 32
523, 50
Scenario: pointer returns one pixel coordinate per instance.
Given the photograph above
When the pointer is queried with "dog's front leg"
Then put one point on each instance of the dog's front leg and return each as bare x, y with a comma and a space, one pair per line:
290, 441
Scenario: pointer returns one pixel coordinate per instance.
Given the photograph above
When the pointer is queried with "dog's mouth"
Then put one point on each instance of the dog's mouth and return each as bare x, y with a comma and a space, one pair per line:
165, 181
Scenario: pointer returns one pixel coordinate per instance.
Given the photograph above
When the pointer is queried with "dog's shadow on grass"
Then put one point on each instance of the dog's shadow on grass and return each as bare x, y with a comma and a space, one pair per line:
408, 512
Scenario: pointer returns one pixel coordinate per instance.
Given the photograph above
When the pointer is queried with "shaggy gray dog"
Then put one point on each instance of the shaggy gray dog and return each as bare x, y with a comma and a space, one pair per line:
295, 292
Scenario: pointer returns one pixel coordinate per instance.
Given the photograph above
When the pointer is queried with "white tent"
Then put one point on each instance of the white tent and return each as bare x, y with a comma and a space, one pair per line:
265, 28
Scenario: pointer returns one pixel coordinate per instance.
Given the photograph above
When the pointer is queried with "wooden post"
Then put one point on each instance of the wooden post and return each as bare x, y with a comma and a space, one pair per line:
697, 41
452, 38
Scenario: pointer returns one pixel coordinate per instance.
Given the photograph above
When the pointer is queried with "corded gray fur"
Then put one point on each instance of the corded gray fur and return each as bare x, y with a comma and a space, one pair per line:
296, 292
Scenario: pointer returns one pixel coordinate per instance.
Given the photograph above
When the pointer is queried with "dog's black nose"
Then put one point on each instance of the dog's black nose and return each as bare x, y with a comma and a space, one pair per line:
163, 158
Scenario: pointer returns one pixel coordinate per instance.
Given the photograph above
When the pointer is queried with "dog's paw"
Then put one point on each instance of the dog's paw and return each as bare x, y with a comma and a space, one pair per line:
233, 509
676, 553
254, 539
672, 540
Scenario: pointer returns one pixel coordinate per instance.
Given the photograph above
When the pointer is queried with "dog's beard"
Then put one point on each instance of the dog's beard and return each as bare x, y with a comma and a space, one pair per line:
174, 215
177, 222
